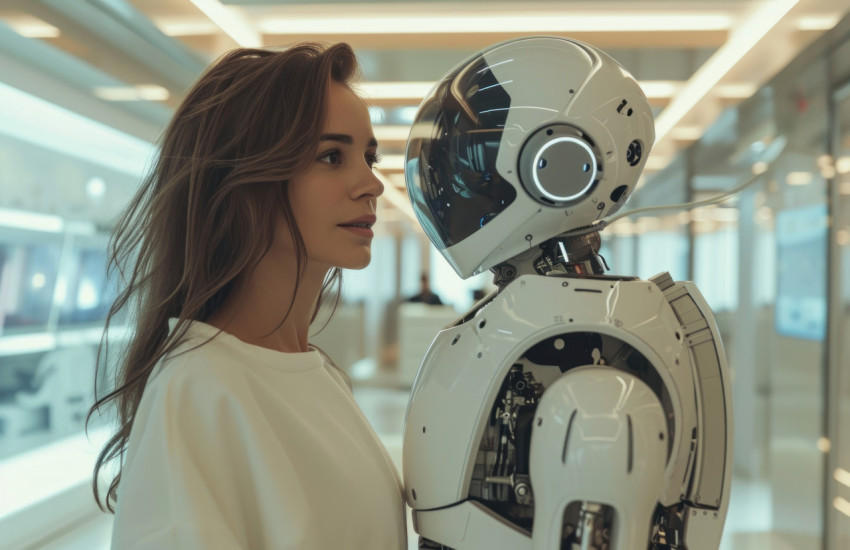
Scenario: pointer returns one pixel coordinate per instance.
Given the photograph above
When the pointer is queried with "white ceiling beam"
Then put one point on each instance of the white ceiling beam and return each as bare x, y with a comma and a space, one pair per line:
493, 21
232, 22
742, 38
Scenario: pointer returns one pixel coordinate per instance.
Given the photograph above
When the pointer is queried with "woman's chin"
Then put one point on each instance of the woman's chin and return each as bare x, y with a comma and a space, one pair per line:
359, 261
360, 265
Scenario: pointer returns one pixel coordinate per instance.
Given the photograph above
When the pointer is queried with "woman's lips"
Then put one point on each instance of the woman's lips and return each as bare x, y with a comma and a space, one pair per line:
359, 230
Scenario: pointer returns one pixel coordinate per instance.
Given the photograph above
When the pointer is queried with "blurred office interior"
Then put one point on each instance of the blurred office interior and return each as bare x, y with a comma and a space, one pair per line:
739, 89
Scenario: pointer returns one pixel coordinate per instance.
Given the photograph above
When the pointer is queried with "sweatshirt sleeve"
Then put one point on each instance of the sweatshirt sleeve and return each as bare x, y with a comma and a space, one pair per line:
190, 476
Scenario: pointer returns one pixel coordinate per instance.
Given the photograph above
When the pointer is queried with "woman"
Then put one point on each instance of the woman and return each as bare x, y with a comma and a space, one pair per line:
233, 431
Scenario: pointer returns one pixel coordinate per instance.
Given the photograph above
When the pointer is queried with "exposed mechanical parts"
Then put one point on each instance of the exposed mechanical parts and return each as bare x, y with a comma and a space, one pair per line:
500, 477
501, 486
562, 255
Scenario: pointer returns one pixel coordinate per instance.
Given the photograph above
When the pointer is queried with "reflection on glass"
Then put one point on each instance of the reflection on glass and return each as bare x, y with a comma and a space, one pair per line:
716, 266
839, 481
801, 301
88, 293
44, 396
27, 283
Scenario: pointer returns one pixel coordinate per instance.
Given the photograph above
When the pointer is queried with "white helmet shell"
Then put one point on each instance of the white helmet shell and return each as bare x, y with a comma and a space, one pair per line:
524, 141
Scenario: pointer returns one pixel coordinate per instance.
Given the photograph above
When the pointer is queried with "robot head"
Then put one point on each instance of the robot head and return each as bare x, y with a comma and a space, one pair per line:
526, 140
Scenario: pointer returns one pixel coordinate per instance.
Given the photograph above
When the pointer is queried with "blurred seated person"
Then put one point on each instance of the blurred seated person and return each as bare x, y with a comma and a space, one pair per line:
425, 296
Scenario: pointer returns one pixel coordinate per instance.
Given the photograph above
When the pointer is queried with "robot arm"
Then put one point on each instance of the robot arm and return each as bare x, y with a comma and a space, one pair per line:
599, 440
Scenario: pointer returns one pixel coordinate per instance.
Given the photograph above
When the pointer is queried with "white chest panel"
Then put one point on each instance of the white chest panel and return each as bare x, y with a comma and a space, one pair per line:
465, 365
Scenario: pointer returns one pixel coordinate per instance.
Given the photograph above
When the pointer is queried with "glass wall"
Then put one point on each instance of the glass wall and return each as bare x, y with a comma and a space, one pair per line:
772, 262
838, 478
63, 178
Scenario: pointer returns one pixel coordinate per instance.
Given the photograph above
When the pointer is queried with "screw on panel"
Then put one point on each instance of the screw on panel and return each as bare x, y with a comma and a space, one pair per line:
565, 284
479, 355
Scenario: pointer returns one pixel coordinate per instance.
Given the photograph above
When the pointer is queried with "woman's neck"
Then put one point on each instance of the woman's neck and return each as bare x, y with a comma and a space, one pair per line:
254, 310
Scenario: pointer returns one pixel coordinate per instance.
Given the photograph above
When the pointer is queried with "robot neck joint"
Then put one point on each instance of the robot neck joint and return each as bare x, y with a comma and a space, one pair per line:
565, 254
571, 256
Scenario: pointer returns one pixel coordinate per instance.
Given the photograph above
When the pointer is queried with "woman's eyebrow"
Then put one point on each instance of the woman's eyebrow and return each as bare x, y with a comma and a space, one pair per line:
345, 138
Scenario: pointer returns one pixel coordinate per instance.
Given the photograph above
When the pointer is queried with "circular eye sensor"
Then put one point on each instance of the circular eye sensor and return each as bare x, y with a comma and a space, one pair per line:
558, 165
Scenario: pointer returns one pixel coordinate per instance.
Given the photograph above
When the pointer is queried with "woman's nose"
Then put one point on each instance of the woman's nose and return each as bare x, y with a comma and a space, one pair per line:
370, 185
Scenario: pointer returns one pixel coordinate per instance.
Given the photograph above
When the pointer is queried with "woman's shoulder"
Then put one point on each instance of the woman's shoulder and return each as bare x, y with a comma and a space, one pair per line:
189, 363
196, 359
336, 373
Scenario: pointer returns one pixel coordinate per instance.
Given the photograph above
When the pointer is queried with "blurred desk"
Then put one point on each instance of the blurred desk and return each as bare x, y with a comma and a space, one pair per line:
418, 325
343, 337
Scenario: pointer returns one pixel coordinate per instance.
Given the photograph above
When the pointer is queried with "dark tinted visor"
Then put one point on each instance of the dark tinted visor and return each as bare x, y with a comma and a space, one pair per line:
451, 155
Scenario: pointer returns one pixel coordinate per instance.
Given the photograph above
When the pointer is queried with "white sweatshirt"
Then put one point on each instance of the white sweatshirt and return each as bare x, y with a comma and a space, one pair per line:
238, 446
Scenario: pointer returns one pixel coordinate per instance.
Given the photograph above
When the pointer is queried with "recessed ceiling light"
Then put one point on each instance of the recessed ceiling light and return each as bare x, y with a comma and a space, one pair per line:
427, 22
35, 28
142, 92
96, 187
799, 178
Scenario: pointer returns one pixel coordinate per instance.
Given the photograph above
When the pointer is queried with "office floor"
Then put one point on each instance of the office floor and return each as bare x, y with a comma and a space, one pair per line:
747, 526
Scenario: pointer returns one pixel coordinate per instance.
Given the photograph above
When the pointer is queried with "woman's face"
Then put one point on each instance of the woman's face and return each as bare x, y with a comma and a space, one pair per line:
334, 200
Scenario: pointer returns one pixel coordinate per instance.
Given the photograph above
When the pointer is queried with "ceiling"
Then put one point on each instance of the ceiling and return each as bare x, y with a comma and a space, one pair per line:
127, 63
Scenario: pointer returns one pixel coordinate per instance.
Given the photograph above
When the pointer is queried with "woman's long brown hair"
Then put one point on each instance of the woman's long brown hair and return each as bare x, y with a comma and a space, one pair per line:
206, 212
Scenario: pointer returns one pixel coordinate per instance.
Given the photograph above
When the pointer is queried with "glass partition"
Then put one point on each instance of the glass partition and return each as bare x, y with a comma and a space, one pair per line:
29, 263
838, 473
63, 179
761, 260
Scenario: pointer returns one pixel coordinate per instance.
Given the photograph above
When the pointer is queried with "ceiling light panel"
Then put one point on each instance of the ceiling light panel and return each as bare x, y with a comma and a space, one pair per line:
426, 22
231, 21
32, 27
741, 40
142, 92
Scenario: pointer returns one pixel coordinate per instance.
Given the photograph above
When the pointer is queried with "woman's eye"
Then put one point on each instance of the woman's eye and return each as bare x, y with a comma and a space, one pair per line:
331, 157
372, 159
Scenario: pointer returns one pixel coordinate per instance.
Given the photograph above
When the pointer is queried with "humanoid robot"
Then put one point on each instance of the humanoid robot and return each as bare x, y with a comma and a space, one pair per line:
568, 409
